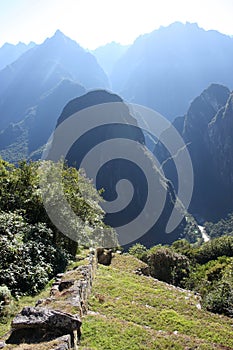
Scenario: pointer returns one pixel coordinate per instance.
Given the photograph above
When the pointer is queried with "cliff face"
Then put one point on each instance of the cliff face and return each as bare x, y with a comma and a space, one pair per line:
207, 129
119, 167
220, 132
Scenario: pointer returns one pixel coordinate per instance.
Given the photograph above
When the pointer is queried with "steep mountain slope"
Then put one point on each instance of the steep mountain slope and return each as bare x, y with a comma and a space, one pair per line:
109, 54
165, 69
207, 129
18, 141
39, 70
10, 53
119, 167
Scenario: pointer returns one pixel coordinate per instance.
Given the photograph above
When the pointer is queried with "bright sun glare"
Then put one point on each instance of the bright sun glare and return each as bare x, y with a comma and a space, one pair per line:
93, 23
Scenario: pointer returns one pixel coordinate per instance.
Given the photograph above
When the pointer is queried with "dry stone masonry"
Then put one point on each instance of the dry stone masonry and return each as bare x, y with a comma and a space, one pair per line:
59, 316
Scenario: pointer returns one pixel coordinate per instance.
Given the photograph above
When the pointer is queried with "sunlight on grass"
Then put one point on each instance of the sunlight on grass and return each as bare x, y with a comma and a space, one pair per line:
137, 312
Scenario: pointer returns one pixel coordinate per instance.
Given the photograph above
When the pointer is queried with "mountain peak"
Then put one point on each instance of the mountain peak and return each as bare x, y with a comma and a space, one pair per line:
59, 33
58, 36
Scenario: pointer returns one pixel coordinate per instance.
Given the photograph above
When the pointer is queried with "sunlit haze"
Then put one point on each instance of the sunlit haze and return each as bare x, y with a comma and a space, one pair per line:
94, 23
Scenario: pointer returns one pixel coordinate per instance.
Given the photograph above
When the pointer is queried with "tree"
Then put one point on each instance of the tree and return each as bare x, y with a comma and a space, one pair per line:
21, 190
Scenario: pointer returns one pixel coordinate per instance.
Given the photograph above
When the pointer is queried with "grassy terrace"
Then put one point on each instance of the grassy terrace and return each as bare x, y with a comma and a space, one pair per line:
127, 311
134, 312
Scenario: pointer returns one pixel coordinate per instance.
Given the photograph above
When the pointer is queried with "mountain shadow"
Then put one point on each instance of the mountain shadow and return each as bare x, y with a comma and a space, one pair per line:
121, 126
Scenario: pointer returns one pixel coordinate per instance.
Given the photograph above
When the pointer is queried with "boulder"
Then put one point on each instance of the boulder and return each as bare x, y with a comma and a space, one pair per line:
2, 344
65, 284
104, 256
34, 323
65, 343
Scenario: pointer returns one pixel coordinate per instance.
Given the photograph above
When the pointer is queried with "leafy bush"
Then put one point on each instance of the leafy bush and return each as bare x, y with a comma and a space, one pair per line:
29, 256
206, 269
5, 299
20, 190
32, 248
221, 246
220, 299
168, 266
139, 251
223, 227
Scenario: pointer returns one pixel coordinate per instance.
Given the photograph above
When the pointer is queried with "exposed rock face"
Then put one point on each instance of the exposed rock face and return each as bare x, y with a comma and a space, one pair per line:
207, 129
33, 322
220, 132
118, 168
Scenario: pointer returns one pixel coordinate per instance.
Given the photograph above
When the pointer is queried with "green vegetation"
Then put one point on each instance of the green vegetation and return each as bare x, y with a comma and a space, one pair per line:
168, 266
128, 311
206, 269
33, 250
223, 227
29, 257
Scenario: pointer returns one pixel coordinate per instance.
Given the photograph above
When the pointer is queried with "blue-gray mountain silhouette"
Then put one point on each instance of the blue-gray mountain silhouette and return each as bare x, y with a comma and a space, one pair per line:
10, 53
109, 54
25, 139
207, 129
111, 172
167, 68
39, 70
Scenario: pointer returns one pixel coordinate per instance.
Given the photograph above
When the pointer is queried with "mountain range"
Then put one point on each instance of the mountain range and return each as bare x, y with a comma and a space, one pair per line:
40, 69
10, 53
109, 54
182, 71
167, 68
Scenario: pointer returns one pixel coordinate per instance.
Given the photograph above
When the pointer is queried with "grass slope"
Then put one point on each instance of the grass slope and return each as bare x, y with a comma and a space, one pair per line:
134, 312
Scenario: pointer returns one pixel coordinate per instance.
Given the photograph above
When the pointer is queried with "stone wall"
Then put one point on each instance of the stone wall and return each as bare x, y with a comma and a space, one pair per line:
59, 316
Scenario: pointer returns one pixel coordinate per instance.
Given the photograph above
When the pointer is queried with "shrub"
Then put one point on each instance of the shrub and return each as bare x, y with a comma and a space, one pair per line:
168, 266
5, 299
220, 299
29, 257
139, 251
222, 246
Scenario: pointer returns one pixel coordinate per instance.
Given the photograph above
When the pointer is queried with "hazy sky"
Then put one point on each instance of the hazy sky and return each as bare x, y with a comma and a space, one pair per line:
95, 22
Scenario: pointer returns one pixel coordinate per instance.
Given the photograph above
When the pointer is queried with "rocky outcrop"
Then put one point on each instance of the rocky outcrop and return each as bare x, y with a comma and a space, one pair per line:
220, 132
207, 129
104, 256
35, 323
123, 126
